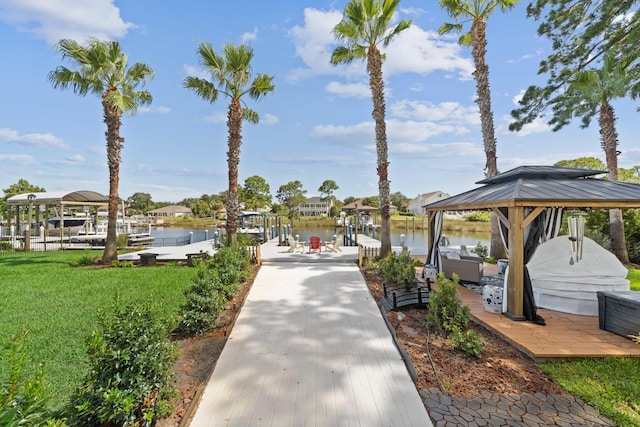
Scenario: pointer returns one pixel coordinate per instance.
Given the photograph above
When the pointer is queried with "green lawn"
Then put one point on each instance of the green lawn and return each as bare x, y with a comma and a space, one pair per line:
59, 304
634, 278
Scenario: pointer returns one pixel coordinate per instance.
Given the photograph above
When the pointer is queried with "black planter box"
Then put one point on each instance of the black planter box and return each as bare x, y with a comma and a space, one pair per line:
619, 312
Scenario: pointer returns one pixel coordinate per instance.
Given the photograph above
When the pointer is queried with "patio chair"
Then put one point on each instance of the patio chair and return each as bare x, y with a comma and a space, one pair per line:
334, 245
315, 244
295, 246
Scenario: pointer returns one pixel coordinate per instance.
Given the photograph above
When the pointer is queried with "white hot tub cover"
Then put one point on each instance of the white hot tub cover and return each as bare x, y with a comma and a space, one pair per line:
572, 288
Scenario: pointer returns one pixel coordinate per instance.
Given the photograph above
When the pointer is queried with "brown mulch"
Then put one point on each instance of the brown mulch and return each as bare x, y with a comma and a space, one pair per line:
502, 368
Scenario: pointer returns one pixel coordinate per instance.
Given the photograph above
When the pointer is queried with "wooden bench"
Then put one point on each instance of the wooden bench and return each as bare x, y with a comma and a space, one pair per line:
148, 259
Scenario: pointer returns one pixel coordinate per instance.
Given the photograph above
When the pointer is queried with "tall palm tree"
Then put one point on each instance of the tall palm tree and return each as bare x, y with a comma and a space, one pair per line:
101, 68
231, 75
478, 12
365, 26
598, 87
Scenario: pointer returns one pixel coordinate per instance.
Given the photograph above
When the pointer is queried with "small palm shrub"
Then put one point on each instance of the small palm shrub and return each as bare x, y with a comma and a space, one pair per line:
481, 250
448, 315
130, 382
397, 269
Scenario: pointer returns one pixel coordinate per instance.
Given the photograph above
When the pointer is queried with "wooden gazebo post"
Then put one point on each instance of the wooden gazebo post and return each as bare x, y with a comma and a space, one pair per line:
515, 281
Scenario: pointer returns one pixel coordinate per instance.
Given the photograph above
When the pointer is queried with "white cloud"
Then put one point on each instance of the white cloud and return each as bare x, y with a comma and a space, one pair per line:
249, 37
17, 159
32, 139
418, 51
53, 20
538, 125
269, 119
448, 112
314, 44
398, 133
194, 71
159, 110
216, 117
414, 51
359, 90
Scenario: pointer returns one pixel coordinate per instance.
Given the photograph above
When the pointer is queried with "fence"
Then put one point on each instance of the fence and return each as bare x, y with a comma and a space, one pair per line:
365, 252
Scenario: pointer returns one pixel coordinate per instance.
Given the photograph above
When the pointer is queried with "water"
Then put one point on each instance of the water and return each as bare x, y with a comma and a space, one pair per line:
416, 240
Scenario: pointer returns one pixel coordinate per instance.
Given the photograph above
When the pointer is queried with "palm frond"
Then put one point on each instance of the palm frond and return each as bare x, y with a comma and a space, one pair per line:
250, 115
203, 88
262, 85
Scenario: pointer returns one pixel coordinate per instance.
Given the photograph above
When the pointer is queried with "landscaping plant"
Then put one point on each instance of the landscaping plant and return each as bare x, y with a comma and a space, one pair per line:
215, 283
130, 382
447, 315
23, 398
397, 269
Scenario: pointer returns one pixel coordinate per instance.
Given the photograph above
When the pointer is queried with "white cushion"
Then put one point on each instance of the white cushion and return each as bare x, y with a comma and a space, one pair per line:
453, 255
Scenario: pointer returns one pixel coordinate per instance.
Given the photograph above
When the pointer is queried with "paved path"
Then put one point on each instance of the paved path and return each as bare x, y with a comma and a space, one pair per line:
310, 348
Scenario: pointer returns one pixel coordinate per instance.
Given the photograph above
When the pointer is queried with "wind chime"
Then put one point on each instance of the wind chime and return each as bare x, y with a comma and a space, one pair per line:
576, 237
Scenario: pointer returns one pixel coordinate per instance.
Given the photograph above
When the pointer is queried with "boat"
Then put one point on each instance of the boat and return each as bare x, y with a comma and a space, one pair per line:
98, 235
251, 223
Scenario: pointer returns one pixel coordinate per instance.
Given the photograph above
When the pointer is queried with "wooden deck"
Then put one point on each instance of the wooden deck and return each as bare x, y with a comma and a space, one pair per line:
564, 335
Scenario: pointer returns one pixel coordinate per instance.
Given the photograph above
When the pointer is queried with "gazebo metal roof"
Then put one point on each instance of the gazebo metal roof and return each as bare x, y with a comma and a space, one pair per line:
544, 186
83, 198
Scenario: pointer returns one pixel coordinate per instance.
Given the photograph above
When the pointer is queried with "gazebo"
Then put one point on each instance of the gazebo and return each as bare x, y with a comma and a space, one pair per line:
529, 202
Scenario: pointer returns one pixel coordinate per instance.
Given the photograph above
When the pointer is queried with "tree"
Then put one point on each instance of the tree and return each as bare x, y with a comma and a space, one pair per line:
478, 12
364, 26
231, 75
256, 193
327, 188
581, 33
101, 69
20, 187
400, 201
201, 209
582, 163
598, 88
140, 202
291, 195
326, 193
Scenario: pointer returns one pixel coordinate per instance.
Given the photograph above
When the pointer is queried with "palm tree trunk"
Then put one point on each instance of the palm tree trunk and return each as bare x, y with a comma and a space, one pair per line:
609, 142
481, 74
234, 123
374, 64
114, 148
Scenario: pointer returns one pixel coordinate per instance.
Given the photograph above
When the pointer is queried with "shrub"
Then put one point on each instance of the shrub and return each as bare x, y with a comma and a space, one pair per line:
23, 399
448, 315
232, 264
445, 307
6, 246
397, 268
478, 217
85, 259
130, 359
204, 301
469, 341
481, 250
122, 240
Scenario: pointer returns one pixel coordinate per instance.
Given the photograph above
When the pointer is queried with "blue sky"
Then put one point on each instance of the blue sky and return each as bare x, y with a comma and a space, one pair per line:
317, 123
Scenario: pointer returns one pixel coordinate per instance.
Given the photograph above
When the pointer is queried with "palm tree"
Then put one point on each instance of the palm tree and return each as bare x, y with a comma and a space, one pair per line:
101, 68
364, 26
478, 12
598, 87
231, 75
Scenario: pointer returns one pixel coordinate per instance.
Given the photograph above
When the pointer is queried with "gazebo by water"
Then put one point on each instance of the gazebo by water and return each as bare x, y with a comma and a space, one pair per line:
530, 201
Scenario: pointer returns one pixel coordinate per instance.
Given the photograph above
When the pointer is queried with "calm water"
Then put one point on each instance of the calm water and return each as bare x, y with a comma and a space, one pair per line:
416, 241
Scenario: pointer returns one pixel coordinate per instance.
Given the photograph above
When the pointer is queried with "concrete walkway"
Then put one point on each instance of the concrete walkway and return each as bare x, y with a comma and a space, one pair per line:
310, 348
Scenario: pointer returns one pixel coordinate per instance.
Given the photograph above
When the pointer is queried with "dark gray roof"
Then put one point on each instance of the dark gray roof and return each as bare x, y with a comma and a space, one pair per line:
545, 186
83, 197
